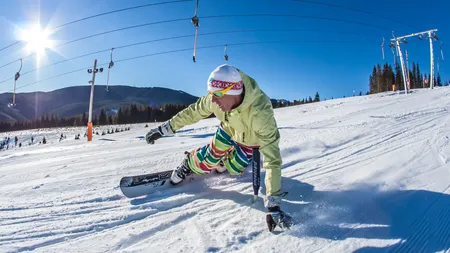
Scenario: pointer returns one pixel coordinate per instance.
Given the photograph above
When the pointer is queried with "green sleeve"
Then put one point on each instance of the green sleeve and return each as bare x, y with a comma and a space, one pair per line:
192, 114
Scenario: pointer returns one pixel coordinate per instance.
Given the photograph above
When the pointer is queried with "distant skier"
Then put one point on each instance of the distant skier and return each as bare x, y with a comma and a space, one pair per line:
247, 121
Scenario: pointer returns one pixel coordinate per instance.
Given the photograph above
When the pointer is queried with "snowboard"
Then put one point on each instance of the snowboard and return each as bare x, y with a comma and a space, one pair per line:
140, 185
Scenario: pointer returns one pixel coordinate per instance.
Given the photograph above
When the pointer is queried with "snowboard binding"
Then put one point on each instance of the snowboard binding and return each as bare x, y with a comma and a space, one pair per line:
181, 172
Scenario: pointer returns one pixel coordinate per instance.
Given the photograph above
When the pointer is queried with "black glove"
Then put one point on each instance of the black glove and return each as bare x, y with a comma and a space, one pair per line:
275, 217
153, 135
156, 133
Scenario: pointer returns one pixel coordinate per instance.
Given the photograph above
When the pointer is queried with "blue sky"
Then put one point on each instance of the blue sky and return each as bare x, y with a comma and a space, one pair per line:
284, 70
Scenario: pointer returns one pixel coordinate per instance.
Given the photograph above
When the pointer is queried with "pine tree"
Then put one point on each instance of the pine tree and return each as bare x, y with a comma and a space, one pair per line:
278, 104
134, 113
110, 120
439, 82
378, 78
95, 120
120, 116
102, 119
317, 97
422, 84
398, 77
84, 119
372, 80
389, 78
419, 77
53, 121
412, 76
383, 78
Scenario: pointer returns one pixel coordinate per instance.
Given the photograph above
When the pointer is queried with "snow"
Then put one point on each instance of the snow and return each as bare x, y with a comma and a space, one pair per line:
364, 174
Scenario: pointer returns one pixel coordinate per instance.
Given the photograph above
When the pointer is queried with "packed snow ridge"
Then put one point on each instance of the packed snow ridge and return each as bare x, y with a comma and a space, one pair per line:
363, 174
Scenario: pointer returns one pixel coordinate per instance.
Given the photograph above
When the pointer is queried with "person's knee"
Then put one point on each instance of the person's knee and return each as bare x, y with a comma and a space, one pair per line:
234, 167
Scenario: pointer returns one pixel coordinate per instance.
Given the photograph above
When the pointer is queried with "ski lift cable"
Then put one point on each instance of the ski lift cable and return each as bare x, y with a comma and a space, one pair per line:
357, 10
186, 36
297, 16
102, 33
205, 17
55, 63
52, 77
105, 13
239, 44
188, 49
10, 45
123, 9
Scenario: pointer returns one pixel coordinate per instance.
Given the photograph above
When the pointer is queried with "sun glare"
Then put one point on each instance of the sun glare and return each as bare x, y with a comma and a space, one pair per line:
37, 40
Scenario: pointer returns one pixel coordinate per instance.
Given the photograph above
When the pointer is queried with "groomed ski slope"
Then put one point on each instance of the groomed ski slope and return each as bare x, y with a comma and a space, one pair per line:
364, 174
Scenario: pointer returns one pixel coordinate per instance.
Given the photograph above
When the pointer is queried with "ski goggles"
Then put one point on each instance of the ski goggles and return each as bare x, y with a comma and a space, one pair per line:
221, 93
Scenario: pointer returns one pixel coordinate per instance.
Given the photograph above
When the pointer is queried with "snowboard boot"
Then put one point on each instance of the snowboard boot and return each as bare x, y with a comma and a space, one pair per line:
220, 169
181, 172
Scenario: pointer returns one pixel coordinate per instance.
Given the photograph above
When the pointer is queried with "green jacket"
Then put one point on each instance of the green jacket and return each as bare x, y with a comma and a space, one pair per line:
252, 123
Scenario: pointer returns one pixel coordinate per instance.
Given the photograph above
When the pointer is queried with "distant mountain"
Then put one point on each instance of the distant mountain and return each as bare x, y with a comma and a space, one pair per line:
71, 101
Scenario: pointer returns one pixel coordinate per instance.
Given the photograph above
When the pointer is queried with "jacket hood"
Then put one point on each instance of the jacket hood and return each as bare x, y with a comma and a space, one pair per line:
251, 92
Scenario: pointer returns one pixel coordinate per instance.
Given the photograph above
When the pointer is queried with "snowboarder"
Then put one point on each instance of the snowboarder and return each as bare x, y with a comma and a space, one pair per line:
247, 121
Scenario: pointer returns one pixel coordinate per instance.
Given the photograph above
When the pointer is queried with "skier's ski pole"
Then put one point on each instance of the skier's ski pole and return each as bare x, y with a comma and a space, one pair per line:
256, 173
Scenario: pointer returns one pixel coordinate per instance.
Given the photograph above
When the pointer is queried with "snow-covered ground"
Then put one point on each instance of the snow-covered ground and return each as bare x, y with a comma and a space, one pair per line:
364, 174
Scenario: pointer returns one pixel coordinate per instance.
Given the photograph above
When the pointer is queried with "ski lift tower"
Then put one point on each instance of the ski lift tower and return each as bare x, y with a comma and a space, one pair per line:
431, 35
91, 101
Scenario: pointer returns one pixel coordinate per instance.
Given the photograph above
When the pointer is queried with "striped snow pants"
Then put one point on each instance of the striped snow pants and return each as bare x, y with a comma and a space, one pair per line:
234, 156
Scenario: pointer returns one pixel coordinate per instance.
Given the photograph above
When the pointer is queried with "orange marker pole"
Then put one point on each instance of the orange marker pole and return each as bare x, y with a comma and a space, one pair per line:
89, 131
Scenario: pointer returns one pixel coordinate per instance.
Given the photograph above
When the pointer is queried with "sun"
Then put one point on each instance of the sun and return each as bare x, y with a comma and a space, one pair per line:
37, 40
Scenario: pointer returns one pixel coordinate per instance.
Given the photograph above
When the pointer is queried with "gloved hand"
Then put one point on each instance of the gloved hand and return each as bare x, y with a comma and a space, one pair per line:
275, 217
156, 133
